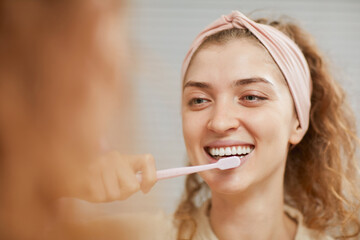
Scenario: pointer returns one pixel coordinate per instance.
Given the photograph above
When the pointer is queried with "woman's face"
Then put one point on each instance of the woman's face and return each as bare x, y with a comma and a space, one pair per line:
236, 101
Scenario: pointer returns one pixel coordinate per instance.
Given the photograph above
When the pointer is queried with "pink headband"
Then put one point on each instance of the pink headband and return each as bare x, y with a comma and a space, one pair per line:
284, 51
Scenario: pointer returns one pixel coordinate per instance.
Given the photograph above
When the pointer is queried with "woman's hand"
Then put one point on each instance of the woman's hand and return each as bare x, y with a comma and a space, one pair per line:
113, 177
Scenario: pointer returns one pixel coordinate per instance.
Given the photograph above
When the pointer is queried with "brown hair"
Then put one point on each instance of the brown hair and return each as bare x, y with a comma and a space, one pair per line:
321, 172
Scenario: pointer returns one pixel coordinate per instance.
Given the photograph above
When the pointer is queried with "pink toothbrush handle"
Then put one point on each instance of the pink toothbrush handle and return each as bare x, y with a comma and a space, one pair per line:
222, 164
175, 172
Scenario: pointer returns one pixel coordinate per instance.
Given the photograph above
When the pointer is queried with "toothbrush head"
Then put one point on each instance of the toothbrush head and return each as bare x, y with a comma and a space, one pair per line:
228, 163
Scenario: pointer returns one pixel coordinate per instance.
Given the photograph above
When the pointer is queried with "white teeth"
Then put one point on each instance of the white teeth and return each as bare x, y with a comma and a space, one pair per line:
227, 151
221, 151
233, 151
239, 150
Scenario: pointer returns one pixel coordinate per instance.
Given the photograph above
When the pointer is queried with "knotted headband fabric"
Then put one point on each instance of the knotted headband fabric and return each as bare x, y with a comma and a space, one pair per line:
283, 50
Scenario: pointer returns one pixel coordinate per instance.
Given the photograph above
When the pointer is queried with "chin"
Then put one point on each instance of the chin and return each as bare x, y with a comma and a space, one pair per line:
224, 182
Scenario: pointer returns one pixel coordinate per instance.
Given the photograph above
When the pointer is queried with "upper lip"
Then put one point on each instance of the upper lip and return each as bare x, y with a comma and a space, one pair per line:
226, 143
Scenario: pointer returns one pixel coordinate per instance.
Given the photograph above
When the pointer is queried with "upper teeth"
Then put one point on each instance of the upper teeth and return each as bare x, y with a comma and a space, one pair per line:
227, 151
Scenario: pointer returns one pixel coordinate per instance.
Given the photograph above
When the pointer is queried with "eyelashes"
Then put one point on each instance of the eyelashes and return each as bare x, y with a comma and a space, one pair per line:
197, 101
253, 98
245, 100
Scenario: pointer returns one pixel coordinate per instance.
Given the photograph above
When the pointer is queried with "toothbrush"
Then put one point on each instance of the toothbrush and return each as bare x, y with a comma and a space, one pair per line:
222, 164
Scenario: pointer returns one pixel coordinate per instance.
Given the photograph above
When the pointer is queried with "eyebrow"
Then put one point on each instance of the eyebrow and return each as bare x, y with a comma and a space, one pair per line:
237, 83
197, 85
246, 81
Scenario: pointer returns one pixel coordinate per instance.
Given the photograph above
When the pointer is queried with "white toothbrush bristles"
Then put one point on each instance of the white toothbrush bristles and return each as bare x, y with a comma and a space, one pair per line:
229, 162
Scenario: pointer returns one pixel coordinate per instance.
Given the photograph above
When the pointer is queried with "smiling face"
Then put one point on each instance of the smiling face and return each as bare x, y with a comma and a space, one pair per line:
236, 102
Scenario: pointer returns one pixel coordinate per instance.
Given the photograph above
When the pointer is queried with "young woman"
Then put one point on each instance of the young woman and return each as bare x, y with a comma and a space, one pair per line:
262, 91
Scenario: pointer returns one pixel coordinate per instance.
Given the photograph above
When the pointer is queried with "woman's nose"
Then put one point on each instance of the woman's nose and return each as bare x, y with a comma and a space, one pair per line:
224, 119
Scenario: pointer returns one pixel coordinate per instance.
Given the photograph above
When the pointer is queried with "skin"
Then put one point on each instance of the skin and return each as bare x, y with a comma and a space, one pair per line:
234, 94
60, 102
113, 177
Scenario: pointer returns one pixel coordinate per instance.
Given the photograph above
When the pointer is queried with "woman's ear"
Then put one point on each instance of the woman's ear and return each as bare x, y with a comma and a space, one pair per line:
296, 133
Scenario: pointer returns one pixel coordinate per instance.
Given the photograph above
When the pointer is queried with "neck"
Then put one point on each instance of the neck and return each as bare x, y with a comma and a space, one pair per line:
254, 214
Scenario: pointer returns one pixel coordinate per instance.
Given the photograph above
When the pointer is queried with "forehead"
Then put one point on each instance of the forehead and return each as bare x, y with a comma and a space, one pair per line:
237, 58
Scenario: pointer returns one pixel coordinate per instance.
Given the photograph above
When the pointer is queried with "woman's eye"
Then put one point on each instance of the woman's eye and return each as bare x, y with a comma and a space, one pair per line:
251, 98
197, 101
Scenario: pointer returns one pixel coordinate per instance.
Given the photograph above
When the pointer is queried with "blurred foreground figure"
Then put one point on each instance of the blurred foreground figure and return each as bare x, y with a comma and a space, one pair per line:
61, 74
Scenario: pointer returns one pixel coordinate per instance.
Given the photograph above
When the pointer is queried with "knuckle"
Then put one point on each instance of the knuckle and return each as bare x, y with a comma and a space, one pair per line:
149, 159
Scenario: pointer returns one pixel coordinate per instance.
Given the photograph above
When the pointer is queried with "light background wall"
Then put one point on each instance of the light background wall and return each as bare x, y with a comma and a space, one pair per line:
162, 32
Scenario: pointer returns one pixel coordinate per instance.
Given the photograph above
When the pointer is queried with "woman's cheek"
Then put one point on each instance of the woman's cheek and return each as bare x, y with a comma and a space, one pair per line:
188, 128
192, 130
